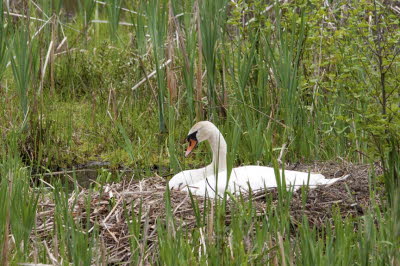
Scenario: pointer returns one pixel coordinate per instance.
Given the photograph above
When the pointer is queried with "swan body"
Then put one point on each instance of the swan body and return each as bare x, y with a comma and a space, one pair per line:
254, 178
212, 180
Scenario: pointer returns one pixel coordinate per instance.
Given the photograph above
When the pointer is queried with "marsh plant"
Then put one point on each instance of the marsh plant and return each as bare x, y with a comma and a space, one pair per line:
123, 81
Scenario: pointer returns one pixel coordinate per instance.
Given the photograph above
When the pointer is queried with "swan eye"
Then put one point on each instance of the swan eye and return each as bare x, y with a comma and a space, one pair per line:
192, 136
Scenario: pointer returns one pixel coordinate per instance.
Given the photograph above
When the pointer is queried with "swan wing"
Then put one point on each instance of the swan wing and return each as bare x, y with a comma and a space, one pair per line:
261, 177
186, 178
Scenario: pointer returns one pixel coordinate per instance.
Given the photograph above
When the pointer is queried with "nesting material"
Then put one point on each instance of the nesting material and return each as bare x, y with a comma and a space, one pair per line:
111, 208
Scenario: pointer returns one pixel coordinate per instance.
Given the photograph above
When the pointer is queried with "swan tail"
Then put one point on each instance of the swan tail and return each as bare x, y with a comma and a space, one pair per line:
329, 182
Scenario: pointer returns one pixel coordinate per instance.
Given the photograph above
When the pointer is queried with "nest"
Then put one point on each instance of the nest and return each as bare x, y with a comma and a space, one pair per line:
110, 208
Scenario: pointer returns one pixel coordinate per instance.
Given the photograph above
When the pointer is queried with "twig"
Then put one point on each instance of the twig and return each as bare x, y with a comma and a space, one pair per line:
122, 8
70, 50
34, 264
282, 250
44, 182
150, 75
281, 153
45, 65
61, 44
269, 117
180, 204
38, 8
23, 16
106, 22
113, 209
111, 234
51, 256
40, 29
66, 172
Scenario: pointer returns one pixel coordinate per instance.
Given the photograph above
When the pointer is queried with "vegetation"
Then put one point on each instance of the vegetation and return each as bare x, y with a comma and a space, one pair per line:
296, 81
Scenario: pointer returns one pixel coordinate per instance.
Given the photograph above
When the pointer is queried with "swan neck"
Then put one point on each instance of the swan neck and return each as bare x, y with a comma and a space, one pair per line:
219, 150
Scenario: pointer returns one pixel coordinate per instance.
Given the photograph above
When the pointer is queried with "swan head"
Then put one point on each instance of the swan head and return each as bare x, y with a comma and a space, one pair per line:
200, 132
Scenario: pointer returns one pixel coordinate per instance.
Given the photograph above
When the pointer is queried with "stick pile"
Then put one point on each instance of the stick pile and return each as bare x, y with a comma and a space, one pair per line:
111, 208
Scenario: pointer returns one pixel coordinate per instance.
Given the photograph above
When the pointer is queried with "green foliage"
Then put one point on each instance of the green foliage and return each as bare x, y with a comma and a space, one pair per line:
364, 78
212, 19
139, 21
18, 202
24, 65
86, 8
303, 79
271, 68
23, 210
75, 243
3, 44
113, 14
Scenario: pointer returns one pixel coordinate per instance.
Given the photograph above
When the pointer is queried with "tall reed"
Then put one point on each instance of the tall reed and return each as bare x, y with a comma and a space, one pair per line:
284, 52
156, 12
187, 36
4, 215
242, 63
23, 210
86, 10
212, 20
18, 201
24, 63
113, 15
3, 44
47, 8
75, 243
139, 25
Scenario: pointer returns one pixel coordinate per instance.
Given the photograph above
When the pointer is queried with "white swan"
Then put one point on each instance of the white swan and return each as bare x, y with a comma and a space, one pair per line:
212, 179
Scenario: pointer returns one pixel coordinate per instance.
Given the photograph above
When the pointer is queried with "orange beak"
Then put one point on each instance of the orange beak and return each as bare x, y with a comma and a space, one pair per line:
192, 145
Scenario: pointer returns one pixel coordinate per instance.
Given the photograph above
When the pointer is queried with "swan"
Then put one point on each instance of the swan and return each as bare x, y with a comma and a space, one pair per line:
212, 180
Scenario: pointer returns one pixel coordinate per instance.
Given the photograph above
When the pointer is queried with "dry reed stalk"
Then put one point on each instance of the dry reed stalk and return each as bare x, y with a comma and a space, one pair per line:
275, 257
210, 225
282, 152
122, 8
103, 252
230, 245
147, 77
281, 248
46, 62
55, 244
106, 22
61, 44
23, 16
51, 256
40, 29
52, 49
94, 108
